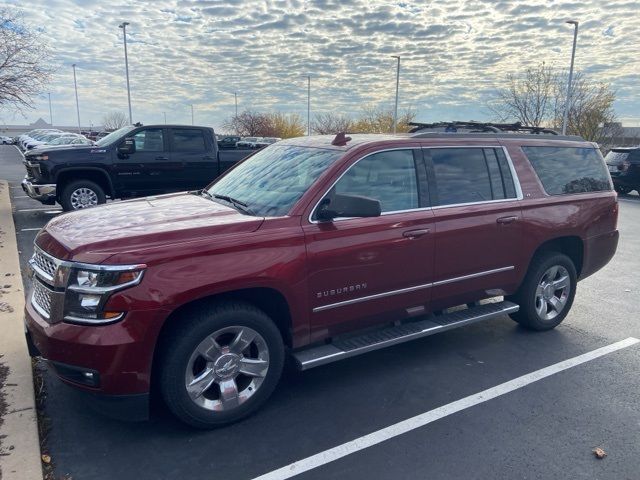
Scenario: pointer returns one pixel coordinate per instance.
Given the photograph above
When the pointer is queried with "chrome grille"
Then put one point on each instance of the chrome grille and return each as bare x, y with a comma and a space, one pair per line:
41, 299
45, 263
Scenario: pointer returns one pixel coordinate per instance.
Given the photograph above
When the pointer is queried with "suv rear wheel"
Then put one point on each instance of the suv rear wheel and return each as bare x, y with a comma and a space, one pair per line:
81, 194
221, 365
623, 189
547, 292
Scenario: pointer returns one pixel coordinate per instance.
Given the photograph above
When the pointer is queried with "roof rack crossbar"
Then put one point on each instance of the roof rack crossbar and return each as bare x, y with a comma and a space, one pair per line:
482, 127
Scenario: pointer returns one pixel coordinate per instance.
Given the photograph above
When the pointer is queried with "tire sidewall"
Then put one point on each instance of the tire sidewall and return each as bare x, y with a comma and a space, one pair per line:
527, 296
179, 350
65, 199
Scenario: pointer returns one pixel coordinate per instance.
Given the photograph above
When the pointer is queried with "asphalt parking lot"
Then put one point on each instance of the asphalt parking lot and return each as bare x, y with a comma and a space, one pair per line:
543, 429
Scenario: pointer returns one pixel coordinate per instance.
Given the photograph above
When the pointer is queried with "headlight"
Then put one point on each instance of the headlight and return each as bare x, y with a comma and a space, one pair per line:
40, 158
90, 286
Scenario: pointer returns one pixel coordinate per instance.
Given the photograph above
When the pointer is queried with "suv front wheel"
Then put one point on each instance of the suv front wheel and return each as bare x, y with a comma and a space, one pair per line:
81, 194
547, 292
221, 364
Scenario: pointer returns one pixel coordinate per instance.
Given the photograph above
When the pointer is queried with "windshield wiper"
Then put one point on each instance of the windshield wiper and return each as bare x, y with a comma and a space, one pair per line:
243, 207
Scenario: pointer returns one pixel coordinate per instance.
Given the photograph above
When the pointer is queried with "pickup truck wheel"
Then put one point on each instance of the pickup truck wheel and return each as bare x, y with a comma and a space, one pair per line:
222, 365
81, 194
547, 293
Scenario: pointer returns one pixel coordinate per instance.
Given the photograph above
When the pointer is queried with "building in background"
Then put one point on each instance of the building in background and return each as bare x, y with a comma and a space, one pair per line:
15, 130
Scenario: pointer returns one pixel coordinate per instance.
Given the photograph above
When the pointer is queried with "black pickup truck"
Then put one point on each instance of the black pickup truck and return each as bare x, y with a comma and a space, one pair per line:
133, 161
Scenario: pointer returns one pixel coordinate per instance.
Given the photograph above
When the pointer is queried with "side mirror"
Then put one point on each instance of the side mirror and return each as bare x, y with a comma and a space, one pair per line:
128, 146
348, 206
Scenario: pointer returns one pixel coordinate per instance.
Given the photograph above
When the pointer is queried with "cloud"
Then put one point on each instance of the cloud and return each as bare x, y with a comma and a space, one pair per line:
200, 52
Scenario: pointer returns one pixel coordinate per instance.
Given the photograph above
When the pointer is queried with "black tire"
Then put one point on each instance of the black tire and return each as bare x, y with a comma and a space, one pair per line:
67, 192
527, 296
179, 347
623, 189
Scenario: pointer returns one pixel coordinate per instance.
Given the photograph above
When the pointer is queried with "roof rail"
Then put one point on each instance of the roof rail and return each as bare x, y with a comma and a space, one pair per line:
481, 127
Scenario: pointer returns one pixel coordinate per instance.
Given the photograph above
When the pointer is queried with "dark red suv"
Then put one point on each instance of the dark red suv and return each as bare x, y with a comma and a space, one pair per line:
319, 247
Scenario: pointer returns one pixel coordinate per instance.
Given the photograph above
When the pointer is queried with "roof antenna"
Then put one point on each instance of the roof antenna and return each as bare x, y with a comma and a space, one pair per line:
340, 140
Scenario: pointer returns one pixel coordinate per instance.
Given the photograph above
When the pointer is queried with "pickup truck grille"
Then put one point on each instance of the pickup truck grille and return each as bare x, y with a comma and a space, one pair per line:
46, 264
42, 298
32, 172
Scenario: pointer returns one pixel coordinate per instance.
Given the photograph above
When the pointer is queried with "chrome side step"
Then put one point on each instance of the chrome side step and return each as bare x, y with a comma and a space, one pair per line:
367, 342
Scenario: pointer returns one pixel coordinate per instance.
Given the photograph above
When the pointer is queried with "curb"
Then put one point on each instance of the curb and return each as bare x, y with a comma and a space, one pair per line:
19, 443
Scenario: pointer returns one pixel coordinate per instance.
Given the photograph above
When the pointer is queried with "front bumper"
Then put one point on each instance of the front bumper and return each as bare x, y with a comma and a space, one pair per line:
43, 193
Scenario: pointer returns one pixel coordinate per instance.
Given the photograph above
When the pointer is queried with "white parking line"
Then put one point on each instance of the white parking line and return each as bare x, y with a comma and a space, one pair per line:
30, 229
21, 196
47, 210
423, 419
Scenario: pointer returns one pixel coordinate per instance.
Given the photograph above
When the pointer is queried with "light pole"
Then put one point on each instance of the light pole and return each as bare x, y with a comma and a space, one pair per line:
75, 85
567, 104
50, 111
395, 110
192, 114
123, 26
165, 117
235, 119
308, 105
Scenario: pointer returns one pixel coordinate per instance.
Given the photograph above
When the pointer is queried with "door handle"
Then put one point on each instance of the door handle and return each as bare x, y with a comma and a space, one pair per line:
416, 233
506, 220
162, 158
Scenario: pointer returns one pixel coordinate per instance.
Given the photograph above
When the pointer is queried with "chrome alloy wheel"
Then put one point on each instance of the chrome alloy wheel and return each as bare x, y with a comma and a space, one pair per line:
552, 293
83, 197
227, 368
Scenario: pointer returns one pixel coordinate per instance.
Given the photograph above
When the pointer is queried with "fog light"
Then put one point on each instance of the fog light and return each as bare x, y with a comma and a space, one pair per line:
90, 301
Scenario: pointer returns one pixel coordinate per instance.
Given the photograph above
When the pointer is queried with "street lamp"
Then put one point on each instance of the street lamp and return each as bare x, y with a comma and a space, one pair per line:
123, 26
165, 117
75, 85
50, 111
395, 110
192, 114
308, 105
573, 57
235, 119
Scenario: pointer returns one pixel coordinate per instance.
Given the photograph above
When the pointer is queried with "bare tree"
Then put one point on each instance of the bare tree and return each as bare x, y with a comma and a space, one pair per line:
114, 120
24, 69
529, 99
248, 123
591, 113
331, 123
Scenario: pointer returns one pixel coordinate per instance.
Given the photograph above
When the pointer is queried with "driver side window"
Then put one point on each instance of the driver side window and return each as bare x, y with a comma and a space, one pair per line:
389, 177
149, 140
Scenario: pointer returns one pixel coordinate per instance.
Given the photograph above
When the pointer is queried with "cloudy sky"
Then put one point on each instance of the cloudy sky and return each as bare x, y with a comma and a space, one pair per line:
454, 54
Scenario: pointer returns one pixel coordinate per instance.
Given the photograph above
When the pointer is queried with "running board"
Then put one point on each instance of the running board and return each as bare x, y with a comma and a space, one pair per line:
367, 342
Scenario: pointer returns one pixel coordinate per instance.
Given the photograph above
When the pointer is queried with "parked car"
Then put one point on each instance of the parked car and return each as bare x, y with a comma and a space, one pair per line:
225, 142
73, 139
35, 136
266, 141
130, 162
624, 167
102, 134
5, 140
248, 142
319, 246
42, 139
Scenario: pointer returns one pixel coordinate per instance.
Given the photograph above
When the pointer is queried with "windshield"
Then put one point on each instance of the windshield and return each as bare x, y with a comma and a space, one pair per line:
270, 182
113, 136
616, 156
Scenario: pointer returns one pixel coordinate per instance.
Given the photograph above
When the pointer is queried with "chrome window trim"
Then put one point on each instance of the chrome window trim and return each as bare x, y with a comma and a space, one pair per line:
412, 148
410, 289
514, 176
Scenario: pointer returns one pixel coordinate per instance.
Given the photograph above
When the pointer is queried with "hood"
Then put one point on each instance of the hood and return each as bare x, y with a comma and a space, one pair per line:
60, 148
145, 222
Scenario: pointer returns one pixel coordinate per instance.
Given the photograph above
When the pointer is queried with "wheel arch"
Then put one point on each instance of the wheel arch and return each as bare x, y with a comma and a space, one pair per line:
571, 245
93, 174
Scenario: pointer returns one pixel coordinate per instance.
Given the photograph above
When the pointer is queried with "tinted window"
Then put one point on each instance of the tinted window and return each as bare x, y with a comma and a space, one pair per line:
461, 175
389, 177
569, 170
271, 181
188, 140
149, 140
614, 157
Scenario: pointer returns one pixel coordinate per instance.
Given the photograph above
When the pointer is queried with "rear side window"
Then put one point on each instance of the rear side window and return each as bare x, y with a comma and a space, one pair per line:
615, 157
564, 170
471, 175
188, 140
